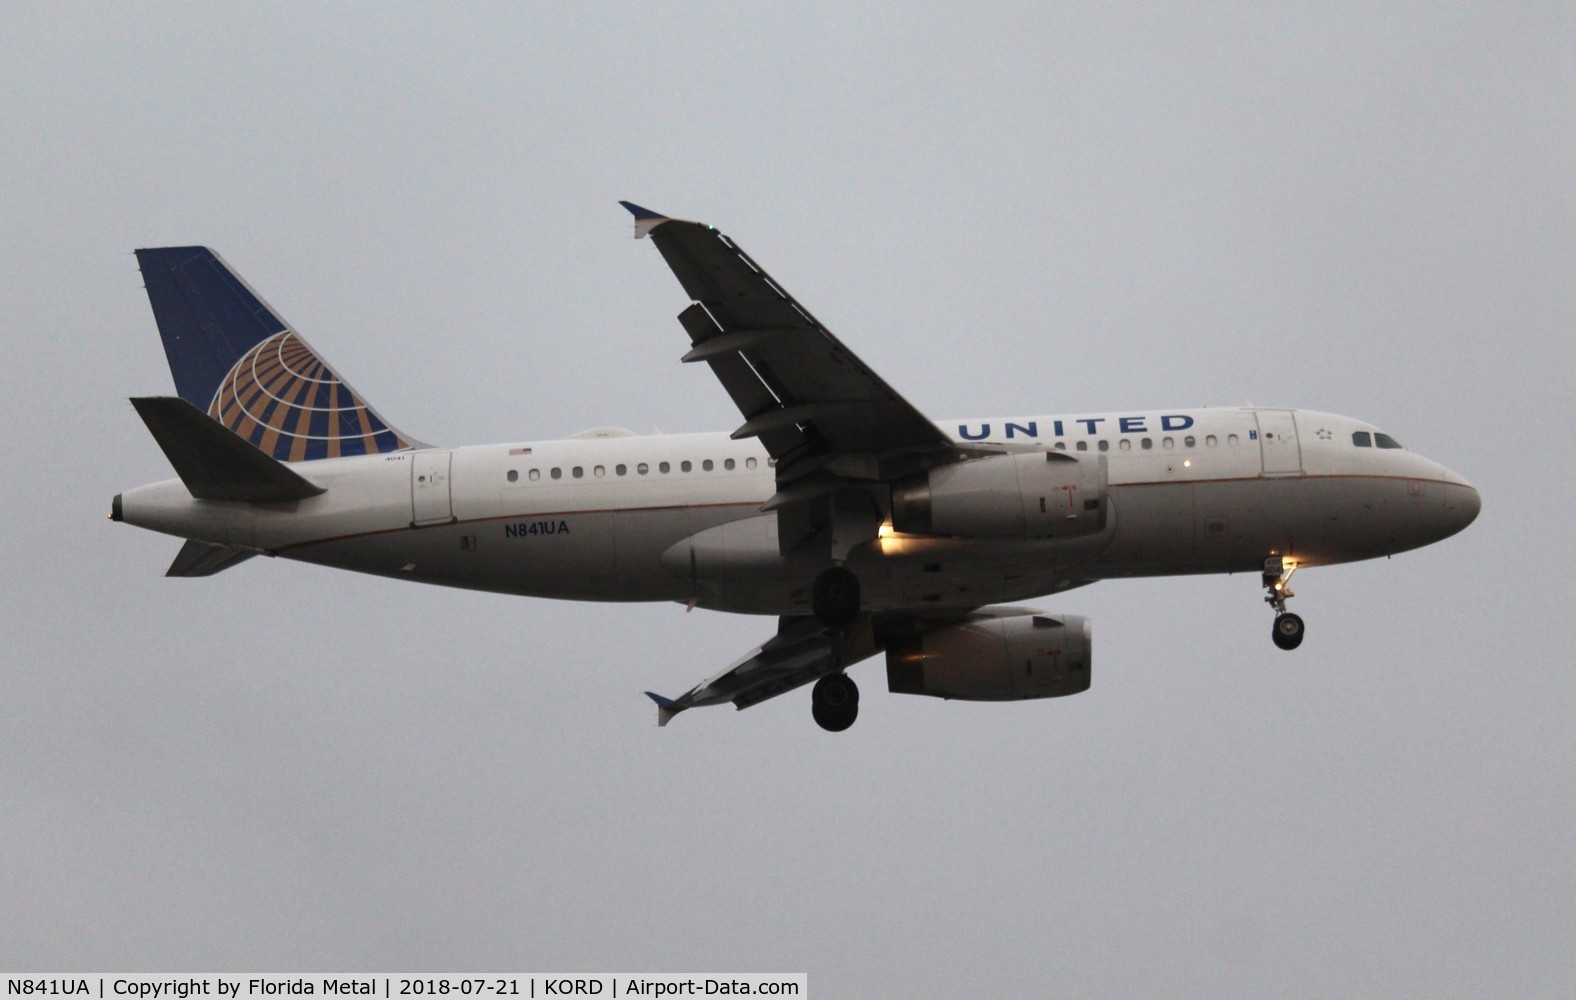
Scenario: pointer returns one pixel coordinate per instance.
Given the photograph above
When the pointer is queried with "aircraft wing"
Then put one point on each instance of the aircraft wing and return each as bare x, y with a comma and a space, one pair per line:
803, 650
815, 406
799, 653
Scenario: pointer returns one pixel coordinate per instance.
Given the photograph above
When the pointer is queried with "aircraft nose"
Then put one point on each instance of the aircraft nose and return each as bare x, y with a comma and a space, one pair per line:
1462, 505
1470, 504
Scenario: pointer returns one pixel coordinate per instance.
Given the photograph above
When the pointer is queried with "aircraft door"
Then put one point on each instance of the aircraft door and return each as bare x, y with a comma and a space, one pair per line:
1278, 443
430, 501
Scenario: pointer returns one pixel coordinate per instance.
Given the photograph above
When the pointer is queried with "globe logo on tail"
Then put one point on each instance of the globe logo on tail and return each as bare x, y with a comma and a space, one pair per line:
284, 399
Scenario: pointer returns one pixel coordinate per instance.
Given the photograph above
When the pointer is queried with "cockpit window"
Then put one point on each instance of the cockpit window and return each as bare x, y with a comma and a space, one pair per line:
1385, 441
1361, 439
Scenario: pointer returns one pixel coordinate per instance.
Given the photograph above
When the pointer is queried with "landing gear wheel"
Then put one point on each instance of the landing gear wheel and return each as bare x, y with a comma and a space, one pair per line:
1288, 631
835, 598
835, 702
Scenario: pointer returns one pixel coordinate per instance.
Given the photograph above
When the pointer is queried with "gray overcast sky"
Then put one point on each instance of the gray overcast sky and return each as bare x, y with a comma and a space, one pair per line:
1004, 209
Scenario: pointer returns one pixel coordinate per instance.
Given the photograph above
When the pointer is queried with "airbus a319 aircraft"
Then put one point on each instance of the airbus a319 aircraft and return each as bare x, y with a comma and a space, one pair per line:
835, 505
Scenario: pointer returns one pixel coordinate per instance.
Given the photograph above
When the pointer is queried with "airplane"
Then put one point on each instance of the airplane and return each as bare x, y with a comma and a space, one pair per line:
836, 506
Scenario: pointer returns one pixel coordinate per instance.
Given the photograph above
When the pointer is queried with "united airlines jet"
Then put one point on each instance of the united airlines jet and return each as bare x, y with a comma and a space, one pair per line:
836, 506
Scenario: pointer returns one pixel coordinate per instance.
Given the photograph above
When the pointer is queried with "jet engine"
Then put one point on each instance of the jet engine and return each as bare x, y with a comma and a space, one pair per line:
1044, 494
994, 658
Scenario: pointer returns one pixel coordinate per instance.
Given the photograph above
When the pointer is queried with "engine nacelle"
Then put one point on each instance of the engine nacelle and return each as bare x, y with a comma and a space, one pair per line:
995, 659
1042, 494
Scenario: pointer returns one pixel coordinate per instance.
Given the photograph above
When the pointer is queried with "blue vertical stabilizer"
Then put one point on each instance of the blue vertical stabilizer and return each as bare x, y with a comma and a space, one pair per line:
236, 359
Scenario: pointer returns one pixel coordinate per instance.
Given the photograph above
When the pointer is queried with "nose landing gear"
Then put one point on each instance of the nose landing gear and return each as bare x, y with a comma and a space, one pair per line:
1288, 629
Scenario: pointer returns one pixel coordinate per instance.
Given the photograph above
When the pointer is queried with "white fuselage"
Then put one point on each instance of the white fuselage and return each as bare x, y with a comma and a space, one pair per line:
677, 517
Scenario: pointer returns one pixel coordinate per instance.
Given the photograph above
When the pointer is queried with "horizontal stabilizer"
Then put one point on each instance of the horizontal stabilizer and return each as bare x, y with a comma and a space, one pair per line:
213, 461
202, 559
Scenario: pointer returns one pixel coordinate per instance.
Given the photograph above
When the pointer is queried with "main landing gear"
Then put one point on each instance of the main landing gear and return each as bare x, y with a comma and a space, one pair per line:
834, 598
1288, 628
835, 601
835, 702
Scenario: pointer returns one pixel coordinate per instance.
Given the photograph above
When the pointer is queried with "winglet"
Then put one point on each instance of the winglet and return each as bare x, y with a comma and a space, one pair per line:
665, 709
645, 219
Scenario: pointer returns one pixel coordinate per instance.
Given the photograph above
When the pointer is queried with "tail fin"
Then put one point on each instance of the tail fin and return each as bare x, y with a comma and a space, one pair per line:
235, 359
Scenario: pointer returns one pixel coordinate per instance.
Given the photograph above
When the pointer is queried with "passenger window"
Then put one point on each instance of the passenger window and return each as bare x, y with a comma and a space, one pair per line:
578, 472
1061, 446
536, 474
706, 466
514, 475
663, 468
621, 469
727, 463
1385, 441
1148, 443
1082, 446
1361, 439
558, 473
1104, 445
685, 466
1231, 439
599, 471
1188, 442
749, 463
1169, 444
1211, 441
642, 468
1123, 444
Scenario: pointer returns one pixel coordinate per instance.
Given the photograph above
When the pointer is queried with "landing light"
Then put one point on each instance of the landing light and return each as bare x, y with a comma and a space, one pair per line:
890, 542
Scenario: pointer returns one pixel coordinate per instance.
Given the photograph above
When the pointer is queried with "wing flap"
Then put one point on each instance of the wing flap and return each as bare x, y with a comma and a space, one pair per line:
740, 381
